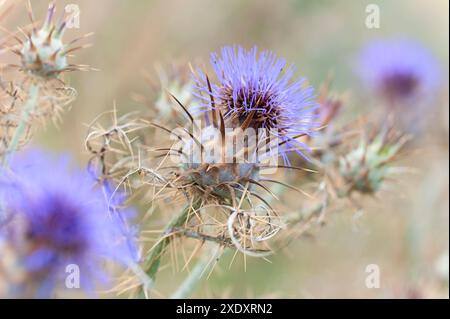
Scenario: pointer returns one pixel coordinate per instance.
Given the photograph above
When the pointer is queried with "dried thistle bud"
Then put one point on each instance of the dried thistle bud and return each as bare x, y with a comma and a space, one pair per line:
222, 180
367, 166
208, 163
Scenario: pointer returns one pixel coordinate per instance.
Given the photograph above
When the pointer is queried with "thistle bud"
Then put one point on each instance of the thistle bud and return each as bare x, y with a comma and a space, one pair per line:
367, 166
43, 54
210, 169
223, 180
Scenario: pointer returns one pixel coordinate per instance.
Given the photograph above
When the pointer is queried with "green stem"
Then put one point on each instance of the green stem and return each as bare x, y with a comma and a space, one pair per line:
302, 215
192, 281
30, 105
154, 260
189, 285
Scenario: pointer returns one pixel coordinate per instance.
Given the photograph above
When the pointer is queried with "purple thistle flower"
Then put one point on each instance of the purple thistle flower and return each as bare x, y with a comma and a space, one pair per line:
257, 88
56, 218
399, 70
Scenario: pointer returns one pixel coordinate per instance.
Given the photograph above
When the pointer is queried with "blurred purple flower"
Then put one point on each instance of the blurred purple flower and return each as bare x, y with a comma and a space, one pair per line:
56, 218
399, 70
258, 86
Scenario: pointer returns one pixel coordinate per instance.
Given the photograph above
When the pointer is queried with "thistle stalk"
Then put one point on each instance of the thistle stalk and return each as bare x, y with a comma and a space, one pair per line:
190, 284
158, 250
30, 105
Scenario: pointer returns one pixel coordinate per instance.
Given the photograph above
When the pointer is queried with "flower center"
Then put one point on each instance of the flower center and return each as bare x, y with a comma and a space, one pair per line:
256, 109
59, 229
400, 85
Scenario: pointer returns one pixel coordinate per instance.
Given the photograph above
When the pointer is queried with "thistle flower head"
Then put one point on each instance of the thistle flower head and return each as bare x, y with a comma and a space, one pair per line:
206, 181
400, 71
56, 218
367, 166
255, 90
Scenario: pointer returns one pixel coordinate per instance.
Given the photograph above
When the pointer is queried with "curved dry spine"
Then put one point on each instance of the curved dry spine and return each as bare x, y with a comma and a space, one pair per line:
52, 101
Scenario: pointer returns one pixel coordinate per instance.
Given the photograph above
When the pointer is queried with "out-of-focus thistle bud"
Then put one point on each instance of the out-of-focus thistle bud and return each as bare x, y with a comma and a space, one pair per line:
44, 53
174, 79
368, 165
178, 82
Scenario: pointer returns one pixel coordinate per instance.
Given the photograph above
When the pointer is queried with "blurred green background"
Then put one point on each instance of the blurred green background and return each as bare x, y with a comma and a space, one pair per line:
406, 232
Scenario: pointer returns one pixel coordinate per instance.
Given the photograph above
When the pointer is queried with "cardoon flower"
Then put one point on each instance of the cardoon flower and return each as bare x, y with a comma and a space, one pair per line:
55, 218
255, 90
400, 71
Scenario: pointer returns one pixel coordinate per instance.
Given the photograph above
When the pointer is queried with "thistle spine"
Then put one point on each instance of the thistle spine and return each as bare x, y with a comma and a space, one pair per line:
30, 105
